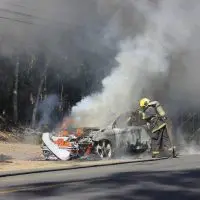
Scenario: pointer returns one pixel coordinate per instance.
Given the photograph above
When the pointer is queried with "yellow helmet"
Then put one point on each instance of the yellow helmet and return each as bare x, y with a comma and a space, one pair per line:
144, 102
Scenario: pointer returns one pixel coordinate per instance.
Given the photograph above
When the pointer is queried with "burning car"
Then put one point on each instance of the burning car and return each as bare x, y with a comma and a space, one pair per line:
116, 139
67, 144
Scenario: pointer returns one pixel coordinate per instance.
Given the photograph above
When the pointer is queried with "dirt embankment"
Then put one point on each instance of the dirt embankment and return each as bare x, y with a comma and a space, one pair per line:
20, 151
9, 137
13, 148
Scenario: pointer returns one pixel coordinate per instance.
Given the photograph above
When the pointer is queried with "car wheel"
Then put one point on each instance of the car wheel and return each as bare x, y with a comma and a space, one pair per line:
104, 149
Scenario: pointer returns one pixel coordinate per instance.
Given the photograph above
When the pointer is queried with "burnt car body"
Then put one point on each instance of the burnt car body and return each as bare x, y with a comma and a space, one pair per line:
120, 138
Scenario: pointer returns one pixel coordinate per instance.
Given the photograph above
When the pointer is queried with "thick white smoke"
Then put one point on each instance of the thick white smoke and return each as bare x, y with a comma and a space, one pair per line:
142, 60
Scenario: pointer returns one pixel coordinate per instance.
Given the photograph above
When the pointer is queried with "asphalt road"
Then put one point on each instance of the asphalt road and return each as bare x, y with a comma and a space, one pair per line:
165, 179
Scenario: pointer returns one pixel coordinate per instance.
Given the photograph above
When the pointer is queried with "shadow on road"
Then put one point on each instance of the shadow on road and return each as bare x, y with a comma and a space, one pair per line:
179, 185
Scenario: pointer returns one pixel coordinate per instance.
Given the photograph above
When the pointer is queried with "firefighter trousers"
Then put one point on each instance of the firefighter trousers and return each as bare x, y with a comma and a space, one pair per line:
161, 143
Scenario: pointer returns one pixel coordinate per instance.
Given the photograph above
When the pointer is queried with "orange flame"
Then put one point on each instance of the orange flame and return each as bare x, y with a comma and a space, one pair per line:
69, 121
61, 143
66, 122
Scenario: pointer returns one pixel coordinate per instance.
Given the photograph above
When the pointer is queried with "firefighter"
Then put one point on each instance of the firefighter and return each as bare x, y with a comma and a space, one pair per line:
159, 127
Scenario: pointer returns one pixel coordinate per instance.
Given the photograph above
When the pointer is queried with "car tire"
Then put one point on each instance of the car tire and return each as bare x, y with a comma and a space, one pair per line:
104, 149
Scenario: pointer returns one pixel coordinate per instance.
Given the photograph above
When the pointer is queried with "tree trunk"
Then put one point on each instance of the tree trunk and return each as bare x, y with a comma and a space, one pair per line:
15, 93
38, 95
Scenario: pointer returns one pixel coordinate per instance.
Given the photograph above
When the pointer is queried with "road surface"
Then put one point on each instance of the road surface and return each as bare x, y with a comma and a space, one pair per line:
171, 179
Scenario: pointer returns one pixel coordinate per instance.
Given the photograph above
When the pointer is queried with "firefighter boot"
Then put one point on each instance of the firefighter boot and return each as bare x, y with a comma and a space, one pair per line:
173, 152
155, 154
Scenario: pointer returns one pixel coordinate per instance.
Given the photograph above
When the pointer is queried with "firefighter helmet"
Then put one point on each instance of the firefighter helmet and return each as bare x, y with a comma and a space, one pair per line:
144, 102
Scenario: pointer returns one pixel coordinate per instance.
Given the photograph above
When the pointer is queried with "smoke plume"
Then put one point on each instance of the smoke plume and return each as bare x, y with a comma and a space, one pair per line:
138, 47
160, 60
